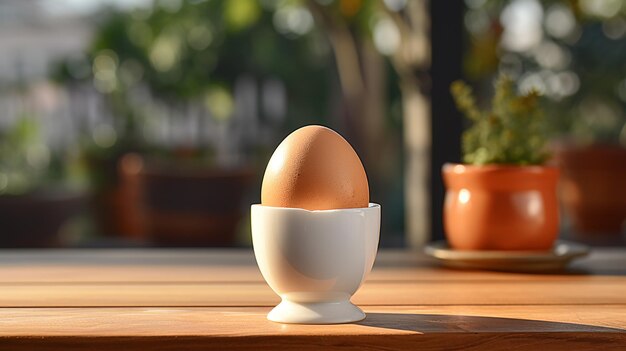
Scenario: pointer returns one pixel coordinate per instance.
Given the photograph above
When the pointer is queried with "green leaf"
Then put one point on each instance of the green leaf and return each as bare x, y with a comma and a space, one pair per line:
241, 14
512, 132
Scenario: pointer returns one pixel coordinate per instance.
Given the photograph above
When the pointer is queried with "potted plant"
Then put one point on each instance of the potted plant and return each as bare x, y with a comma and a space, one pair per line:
579, 68
203, 86
36, 199
593, 186
192, 204
503, 197
590, 125
108, 125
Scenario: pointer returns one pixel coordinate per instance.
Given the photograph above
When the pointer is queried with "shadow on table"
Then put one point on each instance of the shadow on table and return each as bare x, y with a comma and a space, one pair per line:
430, 323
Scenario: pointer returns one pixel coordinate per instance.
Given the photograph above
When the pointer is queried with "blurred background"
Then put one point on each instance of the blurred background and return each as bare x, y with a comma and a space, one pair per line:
149, 123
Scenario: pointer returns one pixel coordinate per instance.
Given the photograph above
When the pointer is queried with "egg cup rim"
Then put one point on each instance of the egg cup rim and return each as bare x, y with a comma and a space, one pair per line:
371, 206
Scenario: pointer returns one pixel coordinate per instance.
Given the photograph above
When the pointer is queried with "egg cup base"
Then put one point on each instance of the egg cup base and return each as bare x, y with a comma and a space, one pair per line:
334, 312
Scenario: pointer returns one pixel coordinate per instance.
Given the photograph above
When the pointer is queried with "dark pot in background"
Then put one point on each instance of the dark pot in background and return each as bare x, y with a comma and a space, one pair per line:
593, 187
188, 206
33, 220
113, 199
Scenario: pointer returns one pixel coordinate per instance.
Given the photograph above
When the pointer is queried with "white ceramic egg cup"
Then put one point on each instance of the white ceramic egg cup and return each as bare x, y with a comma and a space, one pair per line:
315, 260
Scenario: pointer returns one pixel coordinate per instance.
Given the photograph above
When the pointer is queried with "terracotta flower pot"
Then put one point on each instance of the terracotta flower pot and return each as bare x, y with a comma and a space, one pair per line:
593, 187
114, 199
501, 207
185, 206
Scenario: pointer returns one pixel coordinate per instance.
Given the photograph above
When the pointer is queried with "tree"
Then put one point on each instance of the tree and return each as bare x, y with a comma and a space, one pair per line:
349, 26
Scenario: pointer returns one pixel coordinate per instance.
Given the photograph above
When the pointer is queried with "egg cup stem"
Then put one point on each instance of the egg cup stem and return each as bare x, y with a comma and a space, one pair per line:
333, 312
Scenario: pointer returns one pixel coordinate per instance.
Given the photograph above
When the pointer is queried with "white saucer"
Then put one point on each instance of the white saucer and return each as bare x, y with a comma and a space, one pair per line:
517, 261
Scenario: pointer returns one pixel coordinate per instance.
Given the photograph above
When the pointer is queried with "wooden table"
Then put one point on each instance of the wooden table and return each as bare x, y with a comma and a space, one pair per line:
201, 299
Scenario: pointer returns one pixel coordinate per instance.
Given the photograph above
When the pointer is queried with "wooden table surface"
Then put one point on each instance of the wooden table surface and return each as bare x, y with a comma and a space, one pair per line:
217, 299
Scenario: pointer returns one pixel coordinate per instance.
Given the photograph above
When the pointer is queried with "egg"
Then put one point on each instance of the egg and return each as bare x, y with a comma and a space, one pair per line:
315, 168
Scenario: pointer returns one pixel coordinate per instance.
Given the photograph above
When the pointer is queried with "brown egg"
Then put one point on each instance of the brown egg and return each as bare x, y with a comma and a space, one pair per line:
316, 169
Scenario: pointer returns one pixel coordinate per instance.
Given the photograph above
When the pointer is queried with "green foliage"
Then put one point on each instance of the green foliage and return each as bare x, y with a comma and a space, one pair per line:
512, 132
27, 163
187, 52
581, 73
23, 157
193, 53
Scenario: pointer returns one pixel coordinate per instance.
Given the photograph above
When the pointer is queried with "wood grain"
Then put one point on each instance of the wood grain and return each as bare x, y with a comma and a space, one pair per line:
192, 265
205, 299
259, 294
465, 327
251, 321
429, 342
